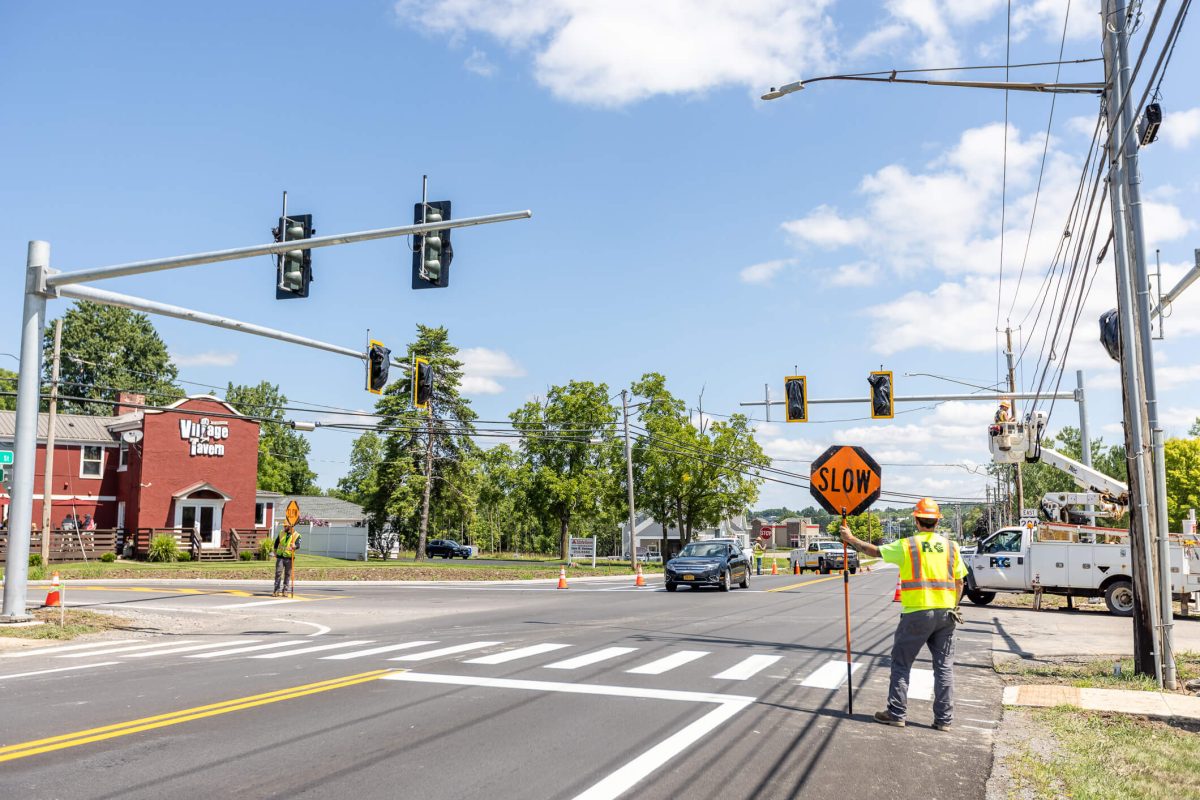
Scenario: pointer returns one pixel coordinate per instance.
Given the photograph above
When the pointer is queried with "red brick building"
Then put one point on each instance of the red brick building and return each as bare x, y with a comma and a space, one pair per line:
190, 466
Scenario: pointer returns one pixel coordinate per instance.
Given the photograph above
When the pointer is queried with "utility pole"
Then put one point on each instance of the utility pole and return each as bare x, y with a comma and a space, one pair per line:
1146, 649
1012, 387
1085, 442
629, 482
422, 533
48, 478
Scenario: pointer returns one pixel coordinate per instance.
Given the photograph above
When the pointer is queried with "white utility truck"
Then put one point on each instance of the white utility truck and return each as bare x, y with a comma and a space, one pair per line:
1057, 557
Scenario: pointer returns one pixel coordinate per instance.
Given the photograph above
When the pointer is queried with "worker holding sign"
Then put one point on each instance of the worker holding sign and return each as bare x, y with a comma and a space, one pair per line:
285, 553
931, 573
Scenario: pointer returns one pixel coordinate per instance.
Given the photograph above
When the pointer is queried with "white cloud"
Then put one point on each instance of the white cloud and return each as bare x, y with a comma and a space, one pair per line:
207, 359
1177, 420
479, 64
1047, 17
482, 366
764, 272
860, 273
825, 227
621, 51
1181, 128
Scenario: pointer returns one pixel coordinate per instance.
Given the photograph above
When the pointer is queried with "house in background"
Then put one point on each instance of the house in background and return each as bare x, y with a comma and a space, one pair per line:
649, 535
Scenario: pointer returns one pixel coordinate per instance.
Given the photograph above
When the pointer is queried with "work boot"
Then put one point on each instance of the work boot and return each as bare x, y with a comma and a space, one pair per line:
886, 718
941, 726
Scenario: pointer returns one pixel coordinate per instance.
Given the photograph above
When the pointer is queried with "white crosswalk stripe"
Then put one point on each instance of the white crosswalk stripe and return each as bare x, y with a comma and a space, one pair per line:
445, 651
253, 648
39, 651
830, 675
519, 653
920, 684
376, 650
315, 649
591, 658
123, 650
187, 649
747, 668
668, 663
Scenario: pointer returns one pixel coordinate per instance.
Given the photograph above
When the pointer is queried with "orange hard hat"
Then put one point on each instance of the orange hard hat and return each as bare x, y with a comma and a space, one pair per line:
927, 508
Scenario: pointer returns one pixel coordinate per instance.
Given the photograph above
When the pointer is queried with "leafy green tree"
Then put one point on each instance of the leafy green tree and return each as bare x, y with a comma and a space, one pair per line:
8, 383
1040, 478
1182, 462
105, 350
570, 475
360, 481
1195, 429
865, 526
282, 451
662, 455
412, 438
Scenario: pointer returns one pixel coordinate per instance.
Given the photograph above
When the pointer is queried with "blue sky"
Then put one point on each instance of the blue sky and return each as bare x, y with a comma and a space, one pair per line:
680, 223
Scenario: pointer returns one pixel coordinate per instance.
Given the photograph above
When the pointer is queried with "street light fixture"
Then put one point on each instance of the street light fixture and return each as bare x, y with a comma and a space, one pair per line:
1043, 88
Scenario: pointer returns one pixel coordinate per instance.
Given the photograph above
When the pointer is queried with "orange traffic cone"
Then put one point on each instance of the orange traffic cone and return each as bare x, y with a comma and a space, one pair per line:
562, 577
796, 568
640, 580
774, 566
52, 597
896, 596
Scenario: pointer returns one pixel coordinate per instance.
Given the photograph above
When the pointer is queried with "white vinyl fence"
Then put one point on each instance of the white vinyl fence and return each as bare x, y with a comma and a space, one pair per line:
335, 541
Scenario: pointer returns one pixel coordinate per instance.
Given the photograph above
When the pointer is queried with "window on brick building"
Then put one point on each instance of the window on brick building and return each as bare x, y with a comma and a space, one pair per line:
92, 462
123, 457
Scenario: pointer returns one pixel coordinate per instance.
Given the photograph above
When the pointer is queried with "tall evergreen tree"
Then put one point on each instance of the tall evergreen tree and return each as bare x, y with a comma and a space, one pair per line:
105, 350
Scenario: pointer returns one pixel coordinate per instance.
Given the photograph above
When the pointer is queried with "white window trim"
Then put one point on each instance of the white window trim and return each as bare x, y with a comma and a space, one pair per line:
261, 523
82, 450
122, 457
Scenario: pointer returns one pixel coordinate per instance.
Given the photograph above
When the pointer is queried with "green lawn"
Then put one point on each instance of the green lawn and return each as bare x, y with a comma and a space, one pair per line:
1091, 673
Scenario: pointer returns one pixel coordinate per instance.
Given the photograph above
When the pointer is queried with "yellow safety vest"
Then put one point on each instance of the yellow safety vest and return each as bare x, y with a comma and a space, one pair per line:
285, 543
927, 573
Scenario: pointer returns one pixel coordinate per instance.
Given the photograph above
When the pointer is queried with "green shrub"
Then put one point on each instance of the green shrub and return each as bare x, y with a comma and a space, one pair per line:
264, 550
183, 555
108, 558
246, 555
35, 560
163, 548
36, 574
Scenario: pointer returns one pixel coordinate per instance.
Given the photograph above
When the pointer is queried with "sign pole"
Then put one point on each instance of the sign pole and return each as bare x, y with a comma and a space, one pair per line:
846, 593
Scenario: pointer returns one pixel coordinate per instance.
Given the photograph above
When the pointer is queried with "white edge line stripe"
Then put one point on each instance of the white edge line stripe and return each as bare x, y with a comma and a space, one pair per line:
254, 603
668, 663
569, 688
747, 668
250, 649
189, 648
372, 651
124, 650
591, 658
513, 655
315, 649
37, 651
625, 778
445, 651
59, 669
920, 684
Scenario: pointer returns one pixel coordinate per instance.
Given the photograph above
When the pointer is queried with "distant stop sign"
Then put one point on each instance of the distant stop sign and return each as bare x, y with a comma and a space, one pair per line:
845, 480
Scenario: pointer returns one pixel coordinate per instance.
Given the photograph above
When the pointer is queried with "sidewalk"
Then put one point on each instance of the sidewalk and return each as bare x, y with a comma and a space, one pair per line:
1121, 701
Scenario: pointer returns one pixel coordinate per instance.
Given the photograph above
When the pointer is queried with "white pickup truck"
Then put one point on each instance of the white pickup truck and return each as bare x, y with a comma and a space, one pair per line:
1072, 560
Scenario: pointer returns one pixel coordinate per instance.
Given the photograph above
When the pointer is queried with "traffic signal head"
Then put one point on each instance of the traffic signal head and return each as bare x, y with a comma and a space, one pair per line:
422, 383
883, 404
432, 252
378, 361
294, 267
795, 390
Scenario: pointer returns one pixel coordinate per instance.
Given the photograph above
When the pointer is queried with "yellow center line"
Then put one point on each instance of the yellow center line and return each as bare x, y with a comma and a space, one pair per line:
77, 738
837, 577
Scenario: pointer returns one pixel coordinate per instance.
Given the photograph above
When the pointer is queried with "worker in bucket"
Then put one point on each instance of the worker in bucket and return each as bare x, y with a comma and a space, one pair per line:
931, 583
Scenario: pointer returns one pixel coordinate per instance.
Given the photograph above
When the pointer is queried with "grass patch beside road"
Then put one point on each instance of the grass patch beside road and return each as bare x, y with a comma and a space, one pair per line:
78, 623
1092, 673
1104, 756
321, 568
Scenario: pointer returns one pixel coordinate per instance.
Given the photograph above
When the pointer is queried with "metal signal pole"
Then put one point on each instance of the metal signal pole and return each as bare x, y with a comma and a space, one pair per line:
48, 477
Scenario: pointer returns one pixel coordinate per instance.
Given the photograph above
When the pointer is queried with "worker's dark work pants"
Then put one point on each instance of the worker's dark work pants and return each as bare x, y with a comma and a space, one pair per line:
934, 627
283, 573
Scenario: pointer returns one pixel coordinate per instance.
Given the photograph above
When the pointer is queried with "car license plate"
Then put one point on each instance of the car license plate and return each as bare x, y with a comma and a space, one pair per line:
689, 577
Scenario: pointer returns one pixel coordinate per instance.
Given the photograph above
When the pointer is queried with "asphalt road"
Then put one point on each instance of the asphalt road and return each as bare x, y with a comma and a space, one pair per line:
498, 690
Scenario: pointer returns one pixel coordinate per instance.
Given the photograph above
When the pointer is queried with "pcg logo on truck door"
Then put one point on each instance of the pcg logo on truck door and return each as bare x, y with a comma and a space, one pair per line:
1003, 562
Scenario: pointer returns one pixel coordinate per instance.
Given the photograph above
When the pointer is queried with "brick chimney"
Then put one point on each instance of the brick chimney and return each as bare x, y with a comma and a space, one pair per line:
124, 398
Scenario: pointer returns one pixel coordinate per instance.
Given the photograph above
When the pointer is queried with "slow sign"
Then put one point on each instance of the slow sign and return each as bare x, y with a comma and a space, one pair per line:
845, 479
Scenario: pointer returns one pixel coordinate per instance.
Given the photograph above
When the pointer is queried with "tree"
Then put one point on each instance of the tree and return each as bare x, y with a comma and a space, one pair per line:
1041, 479
8, 383
105, 350
282, 451
1195, 429
439, 438
359, 482
570, 474
865, 526
1182, 462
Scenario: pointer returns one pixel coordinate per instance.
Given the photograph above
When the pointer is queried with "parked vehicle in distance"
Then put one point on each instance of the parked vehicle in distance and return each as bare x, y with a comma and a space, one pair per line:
446, 548
650, 558
708, 563
823, 557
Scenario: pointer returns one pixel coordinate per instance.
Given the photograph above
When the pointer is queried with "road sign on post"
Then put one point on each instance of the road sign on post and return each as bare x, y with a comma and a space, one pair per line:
6, 457
846, 480
292, 515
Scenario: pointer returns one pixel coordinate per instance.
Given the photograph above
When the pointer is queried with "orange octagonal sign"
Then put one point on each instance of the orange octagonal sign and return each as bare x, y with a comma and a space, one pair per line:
292, 515
845, 480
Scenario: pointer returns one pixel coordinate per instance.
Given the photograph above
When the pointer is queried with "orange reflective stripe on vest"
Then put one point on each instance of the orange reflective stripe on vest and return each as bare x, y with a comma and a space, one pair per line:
927, 582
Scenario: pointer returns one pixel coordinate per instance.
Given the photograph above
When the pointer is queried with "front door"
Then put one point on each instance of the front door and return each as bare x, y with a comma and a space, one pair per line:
203, 516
